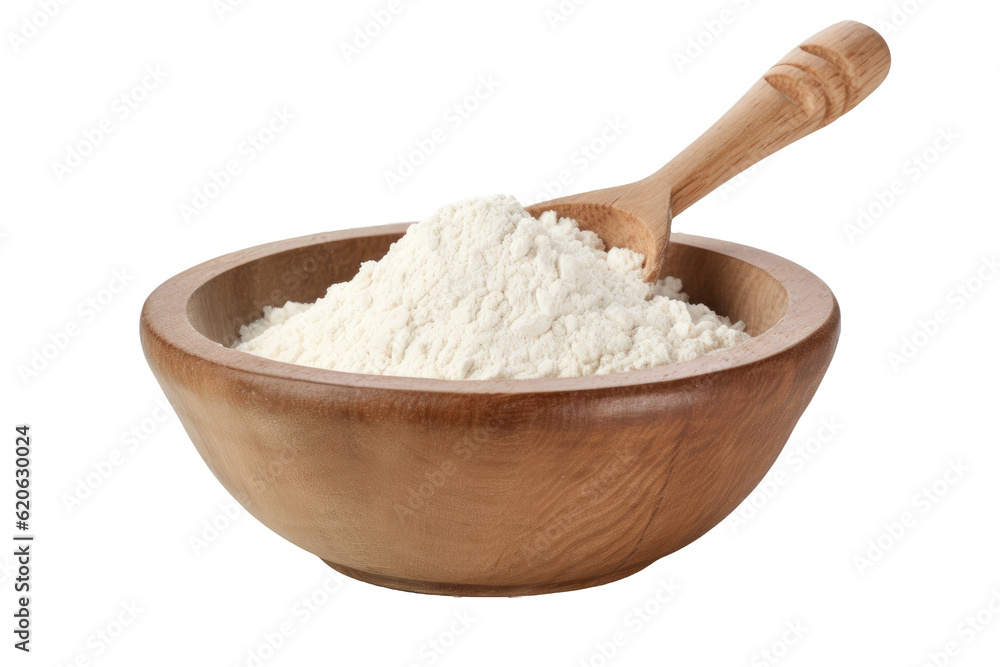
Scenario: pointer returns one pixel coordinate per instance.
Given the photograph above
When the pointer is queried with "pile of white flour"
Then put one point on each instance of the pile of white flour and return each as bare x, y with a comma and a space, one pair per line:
481, 290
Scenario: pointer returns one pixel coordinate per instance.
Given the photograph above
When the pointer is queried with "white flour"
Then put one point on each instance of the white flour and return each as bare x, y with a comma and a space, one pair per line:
481, 290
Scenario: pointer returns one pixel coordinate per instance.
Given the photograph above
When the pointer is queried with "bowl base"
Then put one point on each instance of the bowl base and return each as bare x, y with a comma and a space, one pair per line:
480, 590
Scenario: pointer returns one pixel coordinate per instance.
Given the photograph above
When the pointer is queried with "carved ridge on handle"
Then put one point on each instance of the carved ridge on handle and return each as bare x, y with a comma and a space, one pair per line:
804, 88
843, 64
816, 76
844, 67
858, 53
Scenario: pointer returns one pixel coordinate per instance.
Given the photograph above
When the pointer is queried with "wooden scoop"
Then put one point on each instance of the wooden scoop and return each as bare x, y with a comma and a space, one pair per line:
814, 85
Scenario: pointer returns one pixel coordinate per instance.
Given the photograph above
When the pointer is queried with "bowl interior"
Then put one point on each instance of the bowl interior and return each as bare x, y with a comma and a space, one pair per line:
237, 296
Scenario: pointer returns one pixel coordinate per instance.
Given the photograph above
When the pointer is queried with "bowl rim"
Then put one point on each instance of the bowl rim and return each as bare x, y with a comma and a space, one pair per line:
811, 307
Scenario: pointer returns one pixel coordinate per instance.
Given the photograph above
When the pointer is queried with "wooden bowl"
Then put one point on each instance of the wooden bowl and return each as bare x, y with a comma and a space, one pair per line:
503, 487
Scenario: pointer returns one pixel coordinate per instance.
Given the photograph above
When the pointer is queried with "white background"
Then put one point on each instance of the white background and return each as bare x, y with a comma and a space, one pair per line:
794, 558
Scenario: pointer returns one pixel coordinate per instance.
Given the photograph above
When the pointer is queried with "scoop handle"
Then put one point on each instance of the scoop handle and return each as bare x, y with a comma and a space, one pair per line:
817, 83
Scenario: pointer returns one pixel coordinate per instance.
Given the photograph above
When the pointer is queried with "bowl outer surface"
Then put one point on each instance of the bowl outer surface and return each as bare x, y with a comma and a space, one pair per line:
492, 487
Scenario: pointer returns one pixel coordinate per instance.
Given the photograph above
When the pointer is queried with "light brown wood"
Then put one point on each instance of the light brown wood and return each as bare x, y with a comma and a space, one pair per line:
818, 82
506, 487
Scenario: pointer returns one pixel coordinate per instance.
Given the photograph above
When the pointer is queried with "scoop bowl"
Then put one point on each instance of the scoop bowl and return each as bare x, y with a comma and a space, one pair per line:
503, 487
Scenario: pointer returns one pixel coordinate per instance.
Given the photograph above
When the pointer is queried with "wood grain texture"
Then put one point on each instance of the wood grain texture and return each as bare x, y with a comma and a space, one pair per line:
819, 81
505, 487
